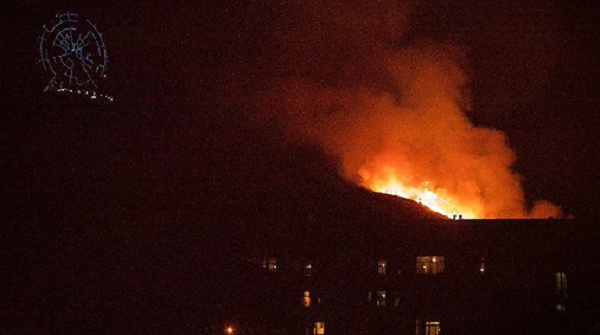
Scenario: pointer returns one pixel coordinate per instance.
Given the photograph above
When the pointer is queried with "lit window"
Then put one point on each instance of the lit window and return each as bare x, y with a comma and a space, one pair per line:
432, 328
306, 299
308, 269
430, 264
482, 265
427, 327
265, 263
319, 328
561, 284
381, 266
380, 298
561, 308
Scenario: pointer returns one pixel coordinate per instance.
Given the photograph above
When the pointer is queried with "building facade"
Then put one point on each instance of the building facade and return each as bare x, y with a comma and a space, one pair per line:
423, 277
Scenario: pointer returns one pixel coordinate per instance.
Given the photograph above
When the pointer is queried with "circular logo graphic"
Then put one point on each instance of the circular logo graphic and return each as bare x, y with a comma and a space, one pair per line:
74, 52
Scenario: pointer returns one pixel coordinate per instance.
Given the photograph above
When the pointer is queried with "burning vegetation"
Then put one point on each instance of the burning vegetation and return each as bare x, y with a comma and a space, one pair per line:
391, 109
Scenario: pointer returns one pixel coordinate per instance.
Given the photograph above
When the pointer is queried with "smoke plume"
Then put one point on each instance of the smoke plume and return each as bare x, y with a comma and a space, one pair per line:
352, 78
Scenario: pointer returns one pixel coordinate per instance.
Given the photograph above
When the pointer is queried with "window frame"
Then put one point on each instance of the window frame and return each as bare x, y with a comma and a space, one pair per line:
380, 298
382, 265
430, 264
561, 284
306, 300
319, 328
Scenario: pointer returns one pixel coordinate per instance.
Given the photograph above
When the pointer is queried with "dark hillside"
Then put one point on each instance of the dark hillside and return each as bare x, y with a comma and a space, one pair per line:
120, 215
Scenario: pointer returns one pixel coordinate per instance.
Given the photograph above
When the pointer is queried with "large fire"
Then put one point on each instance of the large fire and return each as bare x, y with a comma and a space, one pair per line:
435, 199
395, 115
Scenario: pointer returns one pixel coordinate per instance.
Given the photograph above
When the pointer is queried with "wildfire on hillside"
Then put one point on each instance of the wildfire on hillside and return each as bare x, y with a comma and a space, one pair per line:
395, 117
435, 199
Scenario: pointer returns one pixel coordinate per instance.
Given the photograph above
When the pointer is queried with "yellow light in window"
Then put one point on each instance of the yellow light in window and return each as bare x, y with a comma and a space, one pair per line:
319, 328
306, 299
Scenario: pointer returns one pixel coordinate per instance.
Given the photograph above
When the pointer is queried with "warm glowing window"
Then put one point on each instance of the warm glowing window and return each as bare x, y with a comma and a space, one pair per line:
427, 327
382, 266
430, 264
381, 298
306, 299
482, 265
265, 263
319, 328
432, 328
561, 284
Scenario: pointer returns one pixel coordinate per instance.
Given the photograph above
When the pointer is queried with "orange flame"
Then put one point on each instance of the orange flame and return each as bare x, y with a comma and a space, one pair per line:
387, 182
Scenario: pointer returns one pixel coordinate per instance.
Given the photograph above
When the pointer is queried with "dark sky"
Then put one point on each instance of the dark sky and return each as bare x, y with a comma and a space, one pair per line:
535, 72
533, 67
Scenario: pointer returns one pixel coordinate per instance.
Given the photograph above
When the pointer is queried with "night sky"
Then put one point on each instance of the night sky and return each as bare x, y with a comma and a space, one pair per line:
533, 69
117, 215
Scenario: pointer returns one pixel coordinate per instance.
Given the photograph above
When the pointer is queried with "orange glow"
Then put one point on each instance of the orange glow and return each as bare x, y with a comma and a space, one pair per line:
229, 330
414, 140
387, 182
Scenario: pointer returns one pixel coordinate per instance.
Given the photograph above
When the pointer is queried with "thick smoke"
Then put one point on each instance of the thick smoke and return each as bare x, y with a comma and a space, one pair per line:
352, 78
